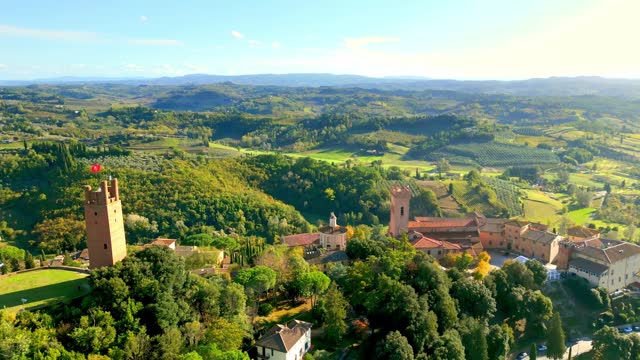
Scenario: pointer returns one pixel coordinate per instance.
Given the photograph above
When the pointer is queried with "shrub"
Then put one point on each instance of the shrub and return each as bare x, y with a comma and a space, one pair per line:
265, 309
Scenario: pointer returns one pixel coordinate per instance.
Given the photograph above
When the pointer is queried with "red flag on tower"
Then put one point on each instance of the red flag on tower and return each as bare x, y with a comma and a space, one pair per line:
95, 168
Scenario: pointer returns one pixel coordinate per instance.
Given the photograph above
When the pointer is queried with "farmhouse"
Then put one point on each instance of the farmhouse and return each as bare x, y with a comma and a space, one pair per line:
285, 342
607, 263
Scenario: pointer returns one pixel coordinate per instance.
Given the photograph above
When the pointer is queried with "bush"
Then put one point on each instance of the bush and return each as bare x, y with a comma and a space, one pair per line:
265, 309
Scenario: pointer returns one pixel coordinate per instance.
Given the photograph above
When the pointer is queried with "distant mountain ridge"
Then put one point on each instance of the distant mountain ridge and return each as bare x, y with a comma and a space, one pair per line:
554, 86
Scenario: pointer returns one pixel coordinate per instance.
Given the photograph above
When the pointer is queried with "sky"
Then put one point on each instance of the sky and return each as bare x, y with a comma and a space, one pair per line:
452, 39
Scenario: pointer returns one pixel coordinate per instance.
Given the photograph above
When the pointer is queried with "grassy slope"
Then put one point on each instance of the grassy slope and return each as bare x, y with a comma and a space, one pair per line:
40, 287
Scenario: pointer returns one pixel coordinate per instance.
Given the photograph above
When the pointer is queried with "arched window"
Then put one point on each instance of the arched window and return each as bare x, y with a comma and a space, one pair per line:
402, 211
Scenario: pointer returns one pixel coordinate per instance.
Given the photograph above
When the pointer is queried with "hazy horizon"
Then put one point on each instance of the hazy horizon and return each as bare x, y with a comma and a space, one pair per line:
460, 39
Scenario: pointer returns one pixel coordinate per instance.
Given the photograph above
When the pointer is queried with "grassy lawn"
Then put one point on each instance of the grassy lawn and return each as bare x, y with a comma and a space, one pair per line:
540, 207
42, 287
581, 216
285, 312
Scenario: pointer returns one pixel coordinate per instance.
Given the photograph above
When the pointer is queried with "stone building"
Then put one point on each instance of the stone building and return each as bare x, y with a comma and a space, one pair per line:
577, 233
105, 225
285, 342
399, 216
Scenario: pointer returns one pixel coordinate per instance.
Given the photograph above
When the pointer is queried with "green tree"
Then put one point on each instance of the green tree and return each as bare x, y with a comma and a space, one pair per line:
259, 279
538, 270
335, 313
14, 264
312, 284
533, 352
29, 262
499, 341
473, 339
442, 166
95, 333
474, 299
556, 338
60, 233
394, 347
448, 347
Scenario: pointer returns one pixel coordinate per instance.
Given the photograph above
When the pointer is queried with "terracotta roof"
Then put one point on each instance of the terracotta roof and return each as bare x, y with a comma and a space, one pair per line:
435, 222
301, 239
492, 225
475, 249
84, 254
582, 232
428, 243
518, 223
589, 266
284, 337
608, 251
330, 256
333, 230
544, 237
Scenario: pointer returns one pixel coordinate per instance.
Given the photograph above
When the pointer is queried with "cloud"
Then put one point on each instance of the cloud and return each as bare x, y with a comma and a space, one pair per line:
237, 35
275, 45
134, 67
144, 19
7, 30
357, 43
3, 66
254, 42
154, 42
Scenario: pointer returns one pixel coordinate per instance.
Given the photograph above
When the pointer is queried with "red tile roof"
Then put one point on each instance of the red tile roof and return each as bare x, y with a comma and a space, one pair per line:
582, 232
301, 239
428, 243
433, 222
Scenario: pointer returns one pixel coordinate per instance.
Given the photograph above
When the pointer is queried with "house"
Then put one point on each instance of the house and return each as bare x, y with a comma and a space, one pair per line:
606, 263
577, 233
435, 248
285, 342
170, 243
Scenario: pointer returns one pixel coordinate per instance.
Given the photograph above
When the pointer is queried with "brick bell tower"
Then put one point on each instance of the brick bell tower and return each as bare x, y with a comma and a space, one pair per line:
105, 225
399, 217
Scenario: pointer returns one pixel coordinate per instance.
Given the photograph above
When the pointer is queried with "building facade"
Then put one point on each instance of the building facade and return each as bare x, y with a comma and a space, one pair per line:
105, 225
285, 342
606, 263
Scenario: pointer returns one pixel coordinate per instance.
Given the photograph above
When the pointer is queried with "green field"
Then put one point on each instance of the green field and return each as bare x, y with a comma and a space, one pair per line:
581, 216
41, 287
540, 207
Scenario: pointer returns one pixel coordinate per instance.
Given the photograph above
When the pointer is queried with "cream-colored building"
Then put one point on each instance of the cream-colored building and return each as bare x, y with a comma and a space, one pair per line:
609, 264
333, 236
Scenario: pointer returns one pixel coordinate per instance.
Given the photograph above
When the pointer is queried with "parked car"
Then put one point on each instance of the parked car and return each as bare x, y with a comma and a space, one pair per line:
522, 355
627, 330
636, 328
542, 347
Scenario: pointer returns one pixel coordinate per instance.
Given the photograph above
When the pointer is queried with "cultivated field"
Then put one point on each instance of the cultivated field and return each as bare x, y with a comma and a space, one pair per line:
41, 287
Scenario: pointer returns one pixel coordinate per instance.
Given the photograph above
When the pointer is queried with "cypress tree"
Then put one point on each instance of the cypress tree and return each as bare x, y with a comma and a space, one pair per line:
29, 262
533, 352
555, 338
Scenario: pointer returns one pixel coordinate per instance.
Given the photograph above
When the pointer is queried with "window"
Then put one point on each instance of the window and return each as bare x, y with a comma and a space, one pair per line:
402, 211
490, 242
95, 213
428, 252
105, 246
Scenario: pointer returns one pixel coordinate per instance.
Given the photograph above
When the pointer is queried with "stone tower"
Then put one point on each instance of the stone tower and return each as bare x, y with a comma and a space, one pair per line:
399, 218
105, 225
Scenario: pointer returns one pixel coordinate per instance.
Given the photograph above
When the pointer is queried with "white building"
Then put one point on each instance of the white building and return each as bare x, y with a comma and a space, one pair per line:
285, 342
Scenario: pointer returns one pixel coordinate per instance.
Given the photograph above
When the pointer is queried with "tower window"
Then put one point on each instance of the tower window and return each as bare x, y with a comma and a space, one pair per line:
402, 211
105, 246
95, 213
